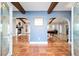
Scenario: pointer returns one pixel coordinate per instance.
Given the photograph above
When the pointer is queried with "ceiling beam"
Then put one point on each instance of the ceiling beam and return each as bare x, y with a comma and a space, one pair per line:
22, 20
52, 6
19, 7
51, 20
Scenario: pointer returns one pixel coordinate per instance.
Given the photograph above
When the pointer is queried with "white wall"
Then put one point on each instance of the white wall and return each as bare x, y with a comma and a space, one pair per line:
60, 27
14, 27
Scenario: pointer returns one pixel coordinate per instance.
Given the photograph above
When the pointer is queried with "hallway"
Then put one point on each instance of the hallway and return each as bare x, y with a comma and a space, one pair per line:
53, 48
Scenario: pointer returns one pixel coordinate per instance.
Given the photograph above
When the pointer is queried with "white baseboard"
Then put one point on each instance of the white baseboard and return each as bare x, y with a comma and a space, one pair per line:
9, 54
38, 42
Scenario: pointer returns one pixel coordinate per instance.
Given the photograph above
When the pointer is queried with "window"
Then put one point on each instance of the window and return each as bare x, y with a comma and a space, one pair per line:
38, 21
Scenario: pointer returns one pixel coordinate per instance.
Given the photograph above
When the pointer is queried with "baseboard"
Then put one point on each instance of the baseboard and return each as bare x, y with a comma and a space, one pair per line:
9, 54
38, 42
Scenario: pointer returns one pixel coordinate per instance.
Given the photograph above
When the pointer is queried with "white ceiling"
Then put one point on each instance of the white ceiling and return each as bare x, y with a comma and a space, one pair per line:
43, 6
34, 6
59, 20
64, 6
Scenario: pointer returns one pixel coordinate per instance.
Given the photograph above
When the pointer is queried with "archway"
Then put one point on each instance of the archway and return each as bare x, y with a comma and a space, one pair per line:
59, 28
21, 35
23, 28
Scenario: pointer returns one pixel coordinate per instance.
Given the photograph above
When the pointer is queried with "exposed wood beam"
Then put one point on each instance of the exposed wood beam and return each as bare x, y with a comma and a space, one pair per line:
19, 7
22, 20
51, 20
52, 6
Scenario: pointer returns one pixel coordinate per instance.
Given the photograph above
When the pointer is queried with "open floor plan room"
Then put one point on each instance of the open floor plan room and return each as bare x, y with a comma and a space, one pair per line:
35, 28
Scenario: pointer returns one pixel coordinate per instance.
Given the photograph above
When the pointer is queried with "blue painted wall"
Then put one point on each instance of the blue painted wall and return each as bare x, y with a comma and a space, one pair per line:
39, 34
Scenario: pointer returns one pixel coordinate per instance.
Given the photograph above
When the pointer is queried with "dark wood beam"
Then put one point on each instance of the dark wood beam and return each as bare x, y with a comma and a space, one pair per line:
22, 20
19, 7
51, 20
52, 6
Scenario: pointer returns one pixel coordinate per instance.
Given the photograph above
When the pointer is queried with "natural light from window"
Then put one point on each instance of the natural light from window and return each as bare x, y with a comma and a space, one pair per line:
38, 21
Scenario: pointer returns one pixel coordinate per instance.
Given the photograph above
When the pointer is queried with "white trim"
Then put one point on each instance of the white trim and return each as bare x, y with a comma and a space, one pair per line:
38, 42
72, 46
0, 31
10, 46
69, 31
68, 27
11, 30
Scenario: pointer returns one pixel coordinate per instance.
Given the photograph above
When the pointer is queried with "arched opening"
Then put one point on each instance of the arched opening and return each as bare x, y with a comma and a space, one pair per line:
21, 33
22, 29
59, 29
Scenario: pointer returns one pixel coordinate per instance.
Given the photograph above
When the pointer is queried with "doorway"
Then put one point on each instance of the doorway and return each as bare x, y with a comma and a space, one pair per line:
21, 35
59, 29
